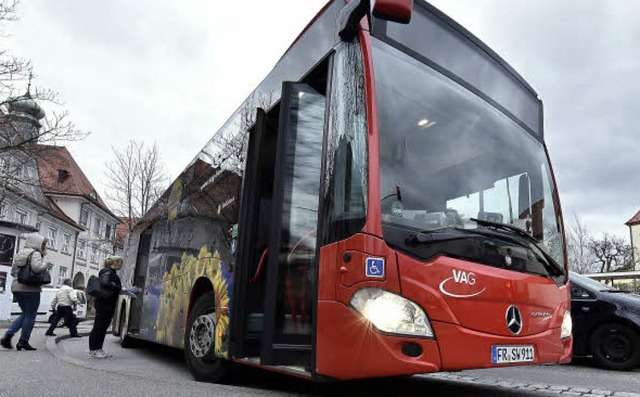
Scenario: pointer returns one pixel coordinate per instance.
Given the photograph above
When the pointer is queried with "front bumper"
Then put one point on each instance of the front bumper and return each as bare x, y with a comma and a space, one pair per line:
348, 348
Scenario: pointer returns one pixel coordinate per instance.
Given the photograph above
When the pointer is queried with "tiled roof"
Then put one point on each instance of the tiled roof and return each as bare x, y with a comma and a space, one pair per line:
60, 174
58, 213
634, 220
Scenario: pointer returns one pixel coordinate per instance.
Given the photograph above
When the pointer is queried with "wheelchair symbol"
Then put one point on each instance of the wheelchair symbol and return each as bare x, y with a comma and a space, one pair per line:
375, 267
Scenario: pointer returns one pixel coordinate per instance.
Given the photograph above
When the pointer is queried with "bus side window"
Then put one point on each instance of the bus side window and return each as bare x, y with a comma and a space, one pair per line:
345, 190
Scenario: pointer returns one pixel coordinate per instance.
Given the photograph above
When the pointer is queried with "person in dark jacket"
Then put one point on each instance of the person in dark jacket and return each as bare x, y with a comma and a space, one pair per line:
105, 307
28, 296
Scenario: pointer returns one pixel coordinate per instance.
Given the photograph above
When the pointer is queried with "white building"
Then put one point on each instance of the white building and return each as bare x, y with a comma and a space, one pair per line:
634, 231
66, 186
43, 188
24, 208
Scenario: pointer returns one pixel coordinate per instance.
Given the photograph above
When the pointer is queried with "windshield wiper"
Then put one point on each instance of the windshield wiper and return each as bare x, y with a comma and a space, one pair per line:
436, 235
505, 226
529, 238
615, 291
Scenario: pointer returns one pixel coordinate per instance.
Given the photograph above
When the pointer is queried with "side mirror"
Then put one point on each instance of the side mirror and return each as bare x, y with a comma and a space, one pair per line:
393, 10
355, 10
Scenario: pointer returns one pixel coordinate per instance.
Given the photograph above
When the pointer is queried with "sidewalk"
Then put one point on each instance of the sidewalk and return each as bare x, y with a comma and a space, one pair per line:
147, 361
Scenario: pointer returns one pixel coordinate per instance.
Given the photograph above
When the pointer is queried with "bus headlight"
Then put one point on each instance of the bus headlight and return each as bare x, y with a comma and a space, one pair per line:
567, 325
391, 313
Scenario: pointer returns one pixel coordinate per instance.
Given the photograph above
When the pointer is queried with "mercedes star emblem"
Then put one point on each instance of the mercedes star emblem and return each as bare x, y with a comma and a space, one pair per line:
514, 320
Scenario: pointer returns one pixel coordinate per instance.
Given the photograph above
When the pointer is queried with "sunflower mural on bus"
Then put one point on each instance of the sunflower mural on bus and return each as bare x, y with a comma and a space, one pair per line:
174, 300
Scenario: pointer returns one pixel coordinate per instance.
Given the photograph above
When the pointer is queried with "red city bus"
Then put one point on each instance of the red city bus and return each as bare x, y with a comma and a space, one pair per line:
382, 204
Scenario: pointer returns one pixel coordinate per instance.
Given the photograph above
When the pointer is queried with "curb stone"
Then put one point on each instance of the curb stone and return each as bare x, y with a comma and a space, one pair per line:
537, 387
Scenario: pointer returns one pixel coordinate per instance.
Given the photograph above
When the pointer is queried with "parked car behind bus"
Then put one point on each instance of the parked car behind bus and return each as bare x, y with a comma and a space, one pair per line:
44, 309
606, 323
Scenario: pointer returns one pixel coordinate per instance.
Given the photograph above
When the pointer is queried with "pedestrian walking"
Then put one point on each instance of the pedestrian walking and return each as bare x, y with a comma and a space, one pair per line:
105, 305
63, 304
28, 296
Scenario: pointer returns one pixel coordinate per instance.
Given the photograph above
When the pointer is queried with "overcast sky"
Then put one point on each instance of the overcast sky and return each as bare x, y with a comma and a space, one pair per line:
173, 71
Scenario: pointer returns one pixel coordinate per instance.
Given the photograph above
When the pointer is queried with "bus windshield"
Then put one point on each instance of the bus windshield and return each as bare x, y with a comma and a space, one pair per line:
448, 157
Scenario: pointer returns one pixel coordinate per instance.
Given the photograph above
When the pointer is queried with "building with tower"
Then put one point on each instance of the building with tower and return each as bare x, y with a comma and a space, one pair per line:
43, 189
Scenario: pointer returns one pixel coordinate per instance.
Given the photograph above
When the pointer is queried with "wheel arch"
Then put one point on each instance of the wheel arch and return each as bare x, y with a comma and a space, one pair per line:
611, 320
201, 287
124, 304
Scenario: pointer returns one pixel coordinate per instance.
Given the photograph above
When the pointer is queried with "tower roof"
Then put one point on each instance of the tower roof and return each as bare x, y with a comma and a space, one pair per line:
25, 106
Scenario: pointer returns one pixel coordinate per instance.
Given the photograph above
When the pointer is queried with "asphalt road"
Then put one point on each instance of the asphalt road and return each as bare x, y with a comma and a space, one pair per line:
64, 369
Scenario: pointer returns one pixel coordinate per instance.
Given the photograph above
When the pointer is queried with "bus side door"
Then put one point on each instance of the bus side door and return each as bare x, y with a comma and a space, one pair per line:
291, 294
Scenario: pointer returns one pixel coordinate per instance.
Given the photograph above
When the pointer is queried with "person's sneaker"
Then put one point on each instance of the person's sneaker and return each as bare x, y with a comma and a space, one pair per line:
106, 355
99, 354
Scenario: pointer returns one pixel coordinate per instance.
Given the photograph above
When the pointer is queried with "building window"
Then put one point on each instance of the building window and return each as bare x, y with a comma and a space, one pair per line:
97, 226
2, 210
107, 233
20, 216
94, 255
84, 217
62, 274
39, 224
82, 246
66, 242
53, 235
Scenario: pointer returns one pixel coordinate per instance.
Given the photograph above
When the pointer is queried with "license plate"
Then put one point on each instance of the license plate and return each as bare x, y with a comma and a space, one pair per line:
512, 354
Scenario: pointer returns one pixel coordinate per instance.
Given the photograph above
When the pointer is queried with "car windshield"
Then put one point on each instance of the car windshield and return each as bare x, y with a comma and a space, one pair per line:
448, 157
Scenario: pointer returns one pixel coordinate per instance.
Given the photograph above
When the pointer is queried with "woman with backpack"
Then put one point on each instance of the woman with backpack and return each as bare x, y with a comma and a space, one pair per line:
105, 305
28, 296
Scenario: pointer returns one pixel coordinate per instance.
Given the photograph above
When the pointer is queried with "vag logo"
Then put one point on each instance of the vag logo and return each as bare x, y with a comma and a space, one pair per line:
464, 277
447, 286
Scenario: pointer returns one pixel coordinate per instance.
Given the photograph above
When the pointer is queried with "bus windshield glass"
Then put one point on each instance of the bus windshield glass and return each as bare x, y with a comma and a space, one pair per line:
448, 157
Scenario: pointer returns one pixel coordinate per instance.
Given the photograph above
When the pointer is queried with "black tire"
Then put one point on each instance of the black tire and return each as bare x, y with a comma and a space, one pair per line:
615, 346
199, 343
125, 340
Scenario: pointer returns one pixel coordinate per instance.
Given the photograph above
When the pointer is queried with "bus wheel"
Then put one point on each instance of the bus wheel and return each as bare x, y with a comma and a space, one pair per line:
125, 340
199, 342
615, 346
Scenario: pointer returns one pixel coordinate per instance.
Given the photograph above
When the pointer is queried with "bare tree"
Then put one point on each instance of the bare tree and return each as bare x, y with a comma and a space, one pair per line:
230, 147
22, 133
581, 258
612, 252
11, 68
137, 179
